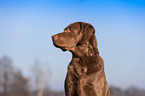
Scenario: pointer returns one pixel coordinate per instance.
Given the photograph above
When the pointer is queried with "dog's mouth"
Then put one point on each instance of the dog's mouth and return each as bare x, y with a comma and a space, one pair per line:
64, 48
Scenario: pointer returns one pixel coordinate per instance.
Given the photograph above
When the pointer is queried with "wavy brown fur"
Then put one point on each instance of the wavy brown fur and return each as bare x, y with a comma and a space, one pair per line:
85, 76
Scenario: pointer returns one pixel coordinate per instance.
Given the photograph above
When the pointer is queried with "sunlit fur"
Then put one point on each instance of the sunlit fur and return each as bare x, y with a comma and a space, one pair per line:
85, 76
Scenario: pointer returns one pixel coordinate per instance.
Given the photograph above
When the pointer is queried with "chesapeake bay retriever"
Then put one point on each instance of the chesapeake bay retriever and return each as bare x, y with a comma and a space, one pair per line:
85, 75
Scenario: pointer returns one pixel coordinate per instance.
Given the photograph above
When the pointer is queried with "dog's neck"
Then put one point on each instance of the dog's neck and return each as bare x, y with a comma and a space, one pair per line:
85, 50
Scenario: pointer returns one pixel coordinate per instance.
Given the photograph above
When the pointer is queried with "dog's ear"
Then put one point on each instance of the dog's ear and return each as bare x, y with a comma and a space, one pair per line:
87, 32
93, 42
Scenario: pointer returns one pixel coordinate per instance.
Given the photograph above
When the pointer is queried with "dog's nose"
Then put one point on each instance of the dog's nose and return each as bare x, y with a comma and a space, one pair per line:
54, 37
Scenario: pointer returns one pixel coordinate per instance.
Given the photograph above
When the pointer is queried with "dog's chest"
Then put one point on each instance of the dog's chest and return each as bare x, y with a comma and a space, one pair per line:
79, 69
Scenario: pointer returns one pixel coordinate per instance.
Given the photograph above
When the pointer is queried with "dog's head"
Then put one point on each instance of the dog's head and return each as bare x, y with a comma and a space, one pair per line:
74, 35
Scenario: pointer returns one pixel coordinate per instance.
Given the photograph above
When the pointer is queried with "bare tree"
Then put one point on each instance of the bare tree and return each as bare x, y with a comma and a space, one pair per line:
6, 69
12, 82
19, 85
41, 78
134, 91
115, 91
1, 76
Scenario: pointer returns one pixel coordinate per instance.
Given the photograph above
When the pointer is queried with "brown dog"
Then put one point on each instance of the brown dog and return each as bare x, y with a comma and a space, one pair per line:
85, 76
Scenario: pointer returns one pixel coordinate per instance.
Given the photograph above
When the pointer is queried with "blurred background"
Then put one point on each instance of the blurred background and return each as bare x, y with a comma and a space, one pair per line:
31, 66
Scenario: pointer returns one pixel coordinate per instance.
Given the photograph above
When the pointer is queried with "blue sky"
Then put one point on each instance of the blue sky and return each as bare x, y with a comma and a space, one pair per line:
26, 28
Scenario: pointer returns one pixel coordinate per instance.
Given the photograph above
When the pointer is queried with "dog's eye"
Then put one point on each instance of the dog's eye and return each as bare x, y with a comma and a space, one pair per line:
67, 30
